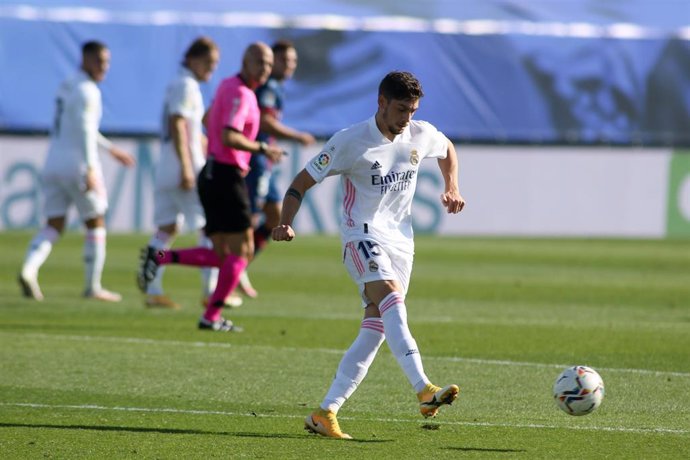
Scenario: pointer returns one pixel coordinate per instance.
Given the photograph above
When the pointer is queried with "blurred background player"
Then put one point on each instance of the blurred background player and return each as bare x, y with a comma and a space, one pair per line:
232, 127
183, 154
264, 197
72, 174
378, 161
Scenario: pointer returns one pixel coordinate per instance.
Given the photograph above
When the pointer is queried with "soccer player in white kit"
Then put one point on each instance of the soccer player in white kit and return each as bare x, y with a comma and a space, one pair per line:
378, 162
183, 154
73, 175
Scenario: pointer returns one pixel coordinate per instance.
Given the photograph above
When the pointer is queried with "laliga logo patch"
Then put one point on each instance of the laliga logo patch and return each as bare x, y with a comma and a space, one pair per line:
321, 161
414, 157
373, 266
268, 99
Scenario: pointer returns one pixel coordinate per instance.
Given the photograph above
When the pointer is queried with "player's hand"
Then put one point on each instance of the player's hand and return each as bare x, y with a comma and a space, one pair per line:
274, 153
453, 201
187, 181
283, 233
122, 157
90, 180
306, 139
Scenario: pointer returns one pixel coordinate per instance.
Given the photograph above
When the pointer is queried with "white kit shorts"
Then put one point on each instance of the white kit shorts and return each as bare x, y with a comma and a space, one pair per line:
59, 193
180, 207
367, 260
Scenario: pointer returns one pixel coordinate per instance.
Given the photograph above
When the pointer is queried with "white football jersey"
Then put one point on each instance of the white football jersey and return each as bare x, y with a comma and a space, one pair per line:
183, 97
74, 138
378, 177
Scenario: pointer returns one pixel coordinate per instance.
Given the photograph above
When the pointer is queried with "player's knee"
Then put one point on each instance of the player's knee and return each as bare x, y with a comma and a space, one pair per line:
57, 224
170, 229
371, 311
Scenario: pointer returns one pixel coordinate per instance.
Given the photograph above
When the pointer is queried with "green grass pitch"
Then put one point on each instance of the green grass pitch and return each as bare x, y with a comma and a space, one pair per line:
500, 317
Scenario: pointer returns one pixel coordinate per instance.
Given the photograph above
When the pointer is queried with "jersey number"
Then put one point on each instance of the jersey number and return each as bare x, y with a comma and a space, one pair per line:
368, 249
59, 108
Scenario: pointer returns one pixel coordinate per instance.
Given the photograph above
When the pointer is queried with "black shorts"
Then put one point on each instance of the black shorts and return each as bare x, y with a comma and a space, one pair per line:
223, 194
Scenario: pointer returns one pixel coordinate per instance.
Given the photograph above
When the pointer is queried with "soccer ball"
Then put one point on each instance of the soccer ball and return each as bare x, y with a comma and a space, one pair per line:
579, 390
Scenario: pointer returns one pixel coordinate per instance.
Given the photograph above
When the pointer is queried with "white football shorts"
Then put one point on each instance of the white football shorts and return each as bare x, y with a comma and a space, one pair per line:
59, 193
178, 206
367, 260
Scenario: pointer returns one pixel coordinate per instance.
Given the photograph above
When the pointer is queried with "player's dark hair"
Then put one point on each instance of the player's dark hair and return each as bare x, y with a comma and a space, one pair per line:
400, 85
200, 47
92, 47
282, 46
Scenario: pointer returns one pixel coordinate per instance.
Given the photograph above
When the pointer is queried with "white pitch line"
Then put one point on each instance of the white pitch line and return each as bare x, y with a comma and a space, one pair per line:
458, 359
166, 410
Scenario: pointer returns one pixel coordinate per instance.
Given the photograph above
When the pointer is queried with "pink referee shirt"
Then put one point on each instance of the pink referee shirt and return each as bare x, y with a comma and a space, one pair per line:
234, 106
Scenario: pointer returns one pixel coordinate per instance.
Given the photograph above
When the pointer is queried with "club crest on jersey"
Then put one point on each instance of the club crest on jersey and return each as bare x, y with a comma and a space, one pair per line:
373, 266
321, 161
268, 99
414, 157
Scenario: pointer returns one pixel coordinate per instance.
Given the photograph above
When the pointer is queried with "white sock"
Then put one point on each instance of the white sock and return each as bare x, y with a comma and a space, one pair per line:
94, 258
355, 364
400, 340
39, 250
209, 276
159, 240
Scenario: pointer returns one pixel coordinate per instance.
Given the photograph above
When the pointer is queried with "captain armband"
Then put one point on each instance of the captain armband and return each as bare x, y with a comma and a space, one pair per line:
294, 193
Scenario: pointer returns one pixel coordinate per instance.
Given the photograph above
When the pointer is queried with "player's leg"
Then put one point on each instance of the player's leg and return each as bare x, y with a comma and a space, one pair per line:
92, 206
209, 275
152, 260
389, 295
39, 249
355, 363
393, 311
257, 180
167, 208
351, 371
391, 303
56, 204
223, 194
234, 251
187, 205
94, 261
161, 240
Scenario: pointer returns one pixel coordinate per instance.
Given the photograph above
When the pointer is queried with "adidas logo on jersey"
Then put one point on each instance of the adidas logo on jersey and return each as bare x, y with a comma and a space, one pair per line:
376, 165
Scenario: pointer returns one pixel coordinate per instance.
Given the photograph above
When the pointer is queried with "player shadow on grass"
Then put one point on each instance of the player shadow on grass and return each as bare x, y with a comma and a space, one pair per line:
137, 429
483, 449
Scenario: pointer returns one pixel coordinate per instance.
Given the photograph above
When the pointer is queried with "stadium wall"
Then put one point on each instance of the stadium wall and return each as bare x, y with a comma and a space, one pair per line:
510, 191
494, 71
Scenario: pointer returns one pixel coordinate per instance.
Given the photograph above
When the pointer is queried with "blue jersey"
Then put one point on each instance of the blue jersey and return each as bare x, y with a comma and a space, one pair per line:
270, 97
261, 183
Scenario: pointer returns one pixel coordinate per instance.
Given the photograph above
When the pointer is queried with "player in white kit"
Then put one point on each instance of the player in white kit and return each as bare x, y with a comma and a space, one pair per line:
378, 162
73, 175
183, 154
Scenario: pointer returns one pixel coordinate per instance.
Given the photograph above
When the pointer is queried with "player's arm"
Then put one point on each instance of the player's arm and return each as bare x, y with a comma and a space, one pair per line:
204, 119
237, 140
179, 137
204, 144
273, 127
120, 155
291, 204
451, 198
79, 108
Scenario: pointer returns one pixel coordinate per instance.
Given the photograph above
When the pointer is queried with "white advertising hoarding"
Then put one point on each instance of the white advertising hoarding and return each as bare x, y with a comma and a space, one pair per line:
511, 191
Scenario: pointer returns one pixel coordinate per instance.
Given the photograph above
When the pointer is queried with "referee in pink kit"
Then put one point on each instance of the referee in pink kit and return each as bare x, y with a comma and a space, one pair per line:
232, 124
